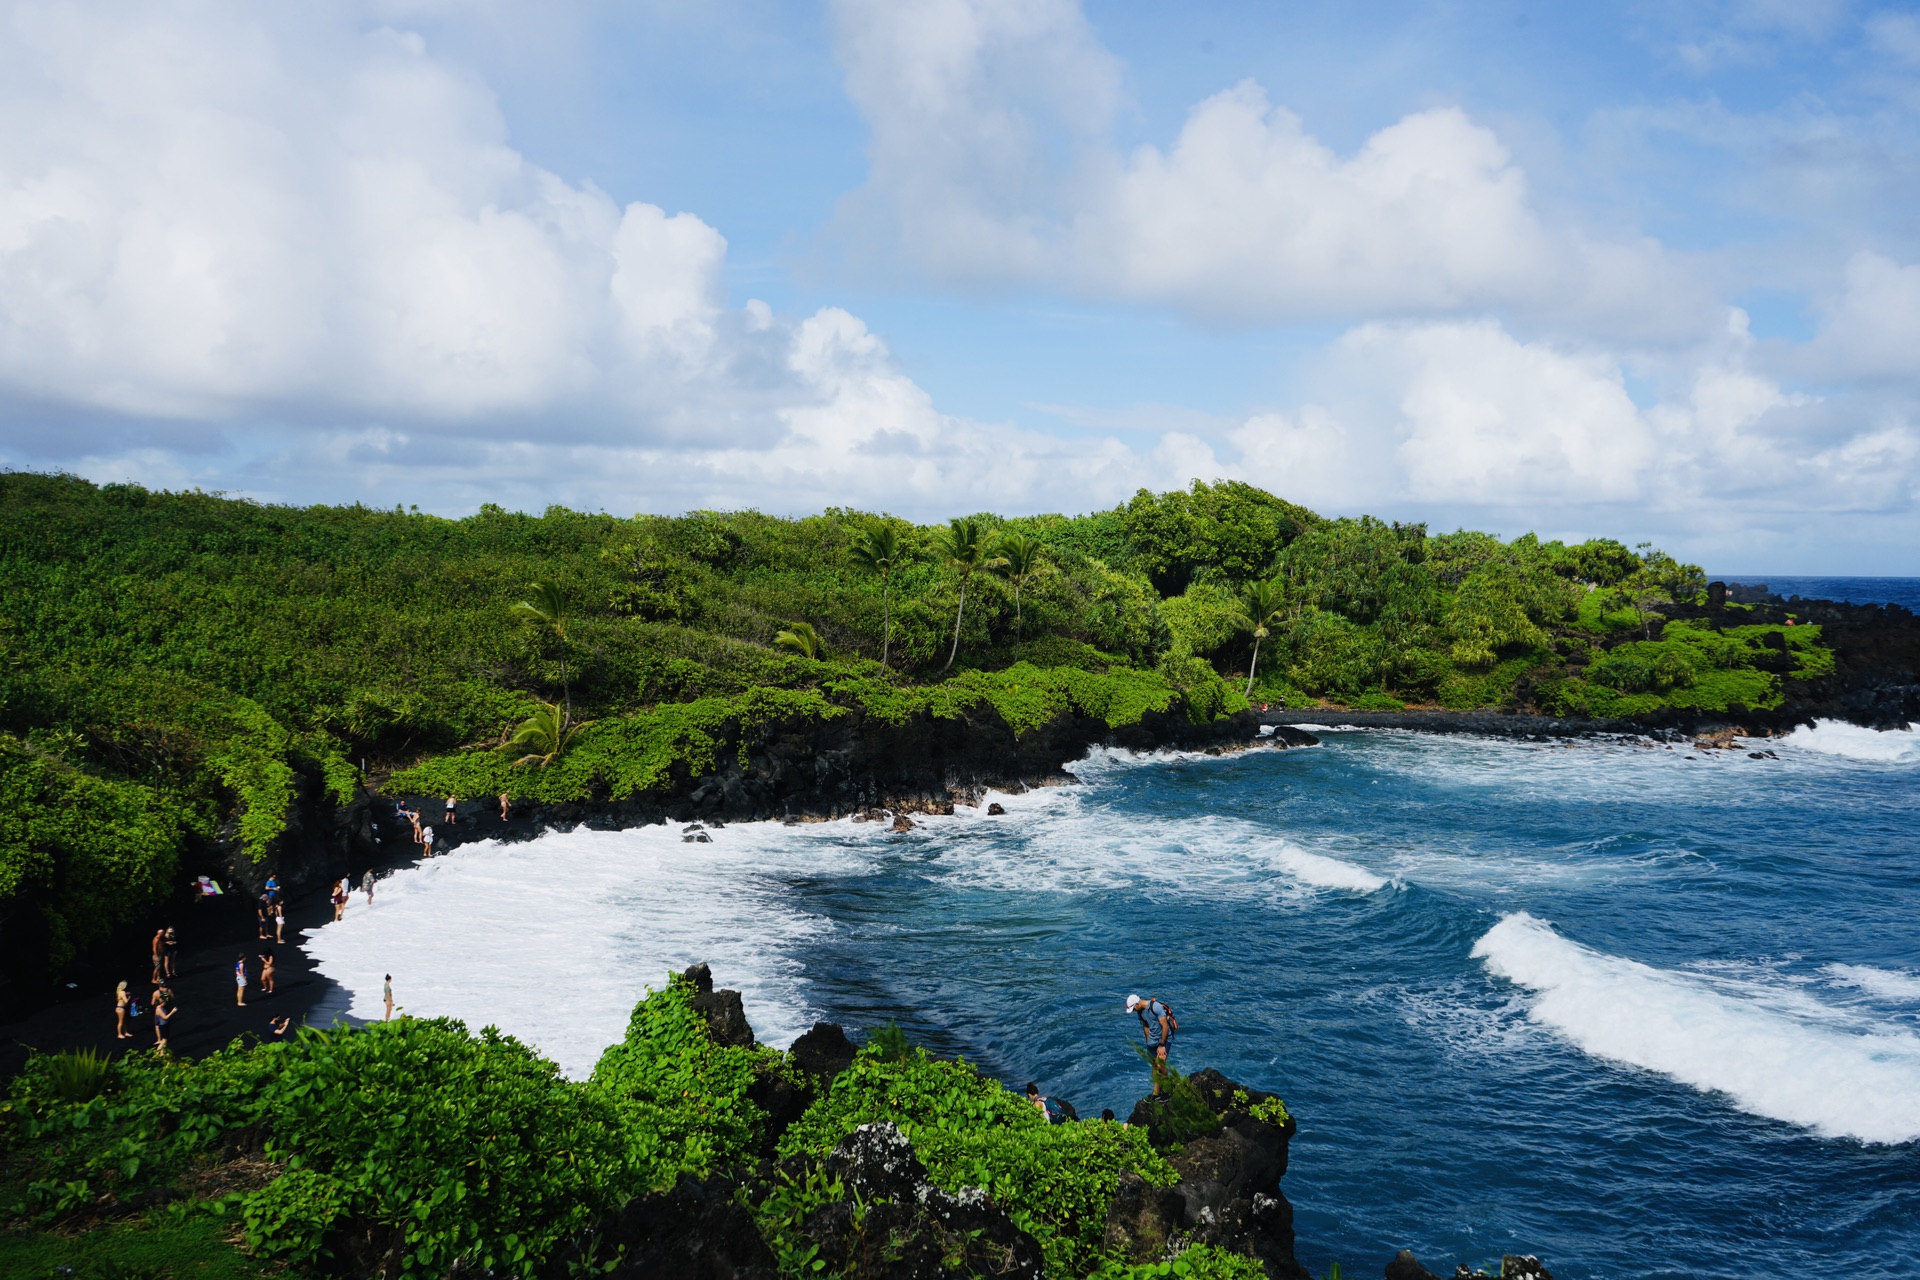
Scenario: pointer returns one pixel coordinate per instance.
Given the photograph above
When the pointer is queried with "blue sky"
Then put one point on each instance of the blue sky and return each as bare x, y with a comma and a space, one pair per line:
1647, 270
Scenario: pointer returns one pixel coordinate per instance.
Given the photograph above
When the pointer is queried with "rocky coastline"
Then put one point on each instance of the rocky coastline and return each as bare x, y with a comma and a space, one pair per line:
1229, 1156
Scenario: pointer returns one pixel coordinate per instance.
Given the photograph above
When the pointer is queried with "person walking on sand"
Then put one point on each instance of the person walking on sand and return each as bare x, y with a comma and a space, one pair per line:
426, 841
279, 921
159, 955
265, 913
340, 901
266, 972
386, 993
173, 953
120, 1002
366, 884
1158, 1025
240, 982
505, 804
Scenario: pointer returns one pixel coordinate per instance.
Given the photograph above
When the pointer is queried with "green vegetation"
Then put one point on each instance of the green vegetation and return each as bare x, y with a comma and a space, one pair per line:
418, 1142
176, 668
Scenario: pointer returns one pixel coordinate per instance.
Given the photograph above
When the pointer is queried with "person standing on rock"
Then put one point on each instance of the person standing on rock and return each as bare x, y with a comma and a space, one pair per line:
1158, 1025
451, 801
426, 841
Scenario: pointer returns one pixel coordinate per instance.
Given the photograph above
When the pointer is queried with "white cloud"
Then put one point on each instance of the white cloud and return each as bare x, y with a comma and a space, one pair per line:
992, 162
317, 240
1872, 328
1462, 416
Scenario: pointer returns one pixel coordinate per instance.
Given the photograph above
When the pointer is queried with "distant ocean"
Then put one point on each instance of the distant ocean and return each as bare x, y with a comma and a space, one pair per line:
1902, 591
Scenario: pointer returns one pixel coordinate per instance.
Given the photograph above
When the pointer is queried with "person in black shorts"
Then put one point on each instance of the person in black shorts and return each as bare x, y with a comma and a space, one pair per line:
1158, 1025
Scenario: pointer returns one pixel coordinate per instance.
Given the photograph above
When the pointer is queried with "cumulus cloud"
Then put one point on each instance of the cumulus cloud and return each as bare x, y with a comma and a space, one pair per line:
993, 163
1872, 327
1463, 416
311, 248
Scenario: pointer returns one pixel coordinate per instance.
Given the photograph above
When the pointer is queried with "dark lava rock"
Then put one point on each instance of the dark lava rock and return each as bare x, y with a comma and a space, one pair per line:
697, 1231
1143, 1219
995, 809
1229, 1188
1407, 1267
824, 1051
726, 1016
901, 822
1285, 735
911, 1229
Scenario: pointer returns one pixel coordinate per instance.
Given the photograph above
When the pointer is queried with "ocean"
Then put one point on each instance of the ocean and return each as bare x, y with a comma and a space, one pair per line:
1900, 591
1645, 1012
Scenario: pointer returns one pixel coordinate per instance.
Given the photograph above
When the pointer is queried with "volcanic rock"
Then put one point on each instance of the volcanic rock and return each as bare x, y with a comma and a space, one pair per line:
911, 1229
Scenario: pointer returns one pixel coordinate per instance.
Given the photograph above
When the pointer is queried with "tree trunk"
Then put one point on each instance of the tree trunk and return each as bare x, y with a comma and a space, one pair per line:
1252, 667
886, 635
958, 614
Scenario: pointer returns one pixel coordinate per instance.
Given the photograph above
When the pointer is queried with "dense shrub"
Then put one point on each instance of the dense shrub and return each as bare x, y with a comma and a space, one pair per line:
1055, 1181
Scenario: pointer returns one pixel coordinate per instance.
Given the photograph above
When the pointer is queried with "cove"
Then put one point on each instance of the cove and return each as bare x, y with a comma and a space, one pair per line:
1640, 1014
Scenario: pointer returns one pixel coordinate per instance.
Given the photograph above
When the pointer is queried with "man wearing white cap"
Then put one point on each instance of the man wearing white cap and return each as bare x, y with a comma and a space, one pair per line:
1157, 1024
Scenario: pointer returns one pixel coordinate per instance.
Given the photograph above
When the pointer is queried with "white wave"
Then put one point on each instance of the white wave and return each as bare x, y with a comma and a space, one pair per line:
1888, 984
555, 940
1876, 746
1808, 1066
1327, 873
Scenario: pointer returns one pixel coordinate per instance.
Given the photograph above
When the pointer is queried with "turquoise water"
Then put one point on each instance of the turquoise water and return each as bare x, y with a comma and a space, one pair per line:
1686, 1047
1639, 1013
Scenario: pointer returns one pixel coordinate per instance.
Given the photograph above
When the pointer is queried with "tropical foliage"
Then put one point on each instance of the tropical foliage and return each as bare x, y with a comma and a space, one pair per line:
418, 1145
176, 668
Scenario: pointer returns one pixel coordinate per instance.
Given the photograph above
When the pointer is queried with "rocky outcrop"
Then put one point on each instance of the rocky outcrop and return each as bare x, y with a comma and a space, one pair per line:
897, 1225
698, 1231
1229, 1190
726, 1015
853, 765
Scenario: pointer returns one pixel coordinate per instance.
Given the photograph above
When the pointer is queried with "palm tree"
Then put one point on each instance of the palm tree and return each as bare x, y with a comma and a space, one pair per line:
546, 734
1260, 608
1020, 560
546, 608
879, 550
962, 544
802, 639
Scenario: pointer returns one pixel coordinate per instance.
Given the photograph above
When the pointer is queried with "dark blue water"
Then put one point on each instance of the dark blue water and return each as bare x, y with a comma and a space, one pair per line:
1901, 591
1708, 1064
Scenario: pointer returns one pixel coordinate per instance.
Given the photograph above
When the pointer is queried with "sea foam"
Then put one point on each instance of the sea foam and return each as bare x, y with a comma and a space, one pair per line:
555, 940
1851, 741
1788, 1058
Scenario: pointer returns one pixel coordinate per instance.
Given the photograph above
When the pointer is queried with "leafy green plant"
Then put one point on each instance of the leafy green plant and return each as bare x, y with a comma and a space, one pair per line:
291, 1215
888, 1043
801, 638
79, 1075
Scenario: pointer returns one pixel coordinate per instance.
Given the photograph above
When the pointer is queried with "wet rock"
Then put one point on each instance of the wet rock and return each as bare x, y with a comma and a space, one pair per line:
911, 1229
726, 1016
697, 1231
824, 1051
1285, 735
1523, 1267
995, 809
1407, 1267
699, 837
901, 822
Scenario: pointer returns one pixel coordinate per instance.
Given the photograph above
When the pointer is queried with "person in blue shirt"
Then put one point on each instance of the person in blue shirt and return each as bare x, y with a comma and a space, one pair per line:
1158, 1025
